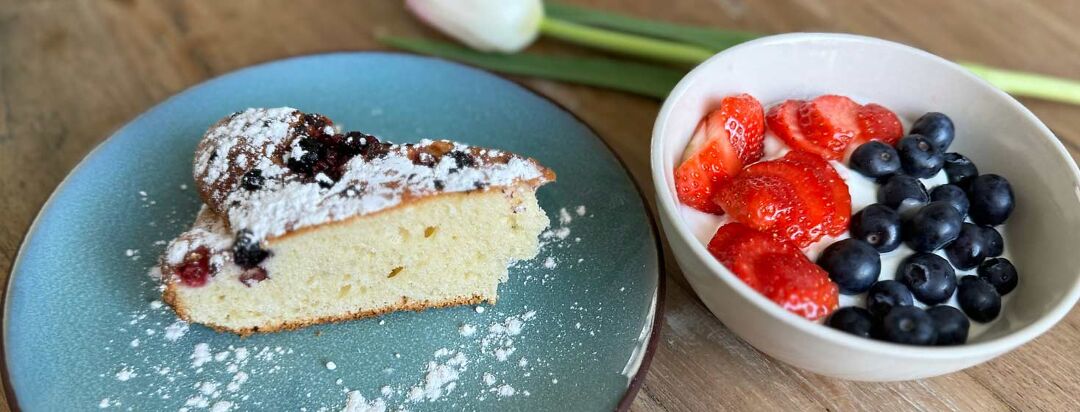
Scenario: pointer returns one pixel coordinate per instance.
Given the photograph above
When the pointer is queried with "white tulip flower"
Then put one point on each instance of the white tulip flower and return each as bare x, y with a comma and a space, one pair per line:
505, 26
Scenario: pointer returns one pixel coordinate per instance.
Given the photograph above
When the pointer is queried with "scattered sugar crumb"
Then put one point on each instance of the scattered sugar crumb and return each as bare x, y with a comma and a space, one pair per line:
155, 304
549, 263
201, 355
479, 309
221, 406
134, 343
467, 330
564, 217
489, 379
505, 390
131, 252
581, 210
125, 374
176, 330
183, 187
331, 365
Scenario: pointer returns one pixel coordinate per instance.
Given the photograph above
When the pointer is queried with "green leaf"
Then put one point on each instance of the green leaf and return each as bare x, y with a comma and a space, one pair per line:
639, 78
714, 39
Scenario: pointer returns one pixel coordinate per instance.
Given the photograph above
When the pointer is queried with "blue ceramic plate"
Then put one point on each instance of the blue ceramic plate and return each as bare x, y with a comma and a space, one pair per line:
84, 328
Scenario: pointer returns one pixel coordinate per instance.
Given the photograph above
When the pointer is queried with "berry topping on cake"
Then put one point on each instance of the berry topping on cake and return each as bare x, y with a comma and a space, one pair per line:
246, 250
195, 270
726, 139
776, 269
252, 180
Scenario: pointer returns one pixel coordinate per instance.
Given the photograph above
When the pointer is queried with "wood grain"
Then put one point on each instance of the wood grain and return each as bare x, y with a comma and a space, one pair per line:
71, 72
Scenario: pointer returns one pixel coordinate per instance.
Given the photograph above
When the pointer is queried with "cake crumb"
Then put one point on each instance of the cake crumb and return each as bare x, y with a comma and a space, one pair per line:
564, 217
125, 374
467, 330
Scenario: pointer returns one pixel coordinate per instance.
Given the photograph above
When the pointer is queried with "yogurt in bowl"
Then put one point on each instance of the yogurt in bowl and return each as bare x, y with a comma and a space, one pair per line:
995, 131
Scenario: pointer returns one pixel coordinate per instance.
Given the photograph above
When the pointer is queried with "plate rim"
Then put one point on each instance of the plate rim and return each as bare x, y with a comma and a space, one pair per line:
636, 382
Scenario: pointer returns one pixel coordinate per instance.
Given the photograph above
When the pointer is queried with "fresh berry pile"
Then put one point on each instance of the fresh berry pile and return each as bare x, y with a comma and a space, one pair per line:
948, 228
776, 207
783, 204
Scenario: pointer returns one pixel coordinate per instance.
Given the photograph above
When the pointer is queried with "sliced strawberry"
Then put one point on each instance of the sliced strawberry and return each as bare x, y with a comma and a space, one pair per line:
827, 177
816, 199
776, 269
703, 171
764, 202
742, 119
724, 140
736, 246
829, 122
797, 284
783, 120
878, 123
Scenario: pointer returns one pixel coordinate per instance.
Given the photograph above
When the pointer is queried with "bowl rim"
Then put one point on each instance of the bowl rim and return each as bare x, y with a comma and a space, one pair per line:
668, 207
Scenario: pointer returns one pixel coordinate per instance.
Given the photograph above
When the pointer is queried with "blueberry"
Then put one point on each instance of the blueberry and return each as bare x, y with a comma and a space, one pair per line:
902, 190
357, 143
930, 277
959, 169
252, 180
937, 128
877, 225
999, 273
932, 227
313, 151
908, 325
875, 159
995, 245
969, 249
919, 157
952, 194
951, 325
247, 253
978, 298
854, 320
853, 264
462, 159
991, 199
886, 294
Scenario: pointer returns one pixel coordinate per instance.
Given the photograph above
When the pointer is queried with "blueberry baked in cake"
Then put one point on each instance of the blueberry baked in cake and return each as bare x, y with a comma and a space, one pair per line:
304, 224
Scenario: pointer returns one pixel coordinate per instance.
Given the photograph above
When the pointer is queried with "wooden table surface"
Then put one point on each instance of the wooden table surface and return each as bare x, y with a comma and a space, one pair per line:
71, 72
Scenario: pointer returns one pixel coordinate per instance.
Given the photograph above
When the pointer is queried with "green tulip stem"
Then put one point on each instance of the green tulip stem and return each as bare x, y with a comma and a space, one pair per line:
1028, 84
629, 44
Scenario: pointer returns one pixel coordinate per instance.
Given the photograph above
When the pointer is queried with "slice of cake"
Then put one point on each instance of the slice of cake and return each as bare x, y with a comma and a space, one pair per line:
303, 224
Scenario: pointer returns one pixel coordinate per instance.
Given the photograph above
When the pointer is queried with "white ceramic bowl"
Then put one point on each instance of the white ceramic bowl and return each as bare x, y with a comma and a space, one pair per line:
993, 129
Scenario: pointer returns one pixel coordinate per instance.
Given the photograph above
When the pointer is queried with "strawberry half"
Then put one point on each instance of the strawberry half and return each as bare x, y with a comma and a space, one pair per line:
776, 269
798, 197
829, 122
725, 140
816, 200
742, 119
783, 120
826, 177
878, 123
766, 203
797, 284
